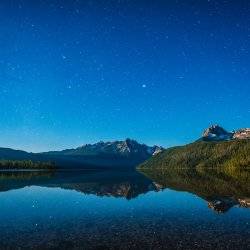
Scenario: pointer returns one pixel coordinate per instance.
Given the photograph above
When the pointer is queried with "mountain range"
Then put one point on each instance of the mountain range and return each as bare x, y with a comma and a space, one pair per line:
119, 154
217, 133
216, 148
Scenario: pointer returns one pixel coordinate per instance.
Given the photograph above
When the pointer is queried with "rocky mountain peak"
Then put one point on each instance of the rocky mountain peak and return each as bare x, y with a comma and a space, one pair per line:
156, 150
214, 130
127, 147
216, 133
243, 133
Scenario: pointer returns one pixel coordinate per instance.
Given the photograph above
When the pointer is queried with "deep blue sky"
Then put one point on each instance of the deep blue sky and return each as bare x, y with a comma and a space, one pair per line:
74, 72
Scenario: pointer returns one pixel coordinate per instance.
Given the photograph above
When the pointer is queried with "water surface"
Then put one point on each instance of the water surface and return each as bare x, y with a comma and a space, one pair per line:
125, 210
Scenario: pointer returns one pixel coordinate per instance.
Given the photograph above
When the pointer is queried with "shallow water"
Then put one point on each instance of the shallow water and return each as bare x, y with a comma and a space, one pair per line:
110, 210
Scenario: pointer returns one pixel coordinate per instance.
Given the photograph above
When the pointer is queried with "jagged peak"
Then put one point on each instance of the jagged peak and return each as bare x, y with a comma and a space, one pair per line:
218, 133
215, 129
118, 147
243, 133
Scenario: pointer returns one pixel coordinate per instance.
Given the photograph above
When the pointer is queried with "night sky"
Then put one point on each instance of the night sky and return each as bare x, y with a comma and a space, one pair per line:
76, 72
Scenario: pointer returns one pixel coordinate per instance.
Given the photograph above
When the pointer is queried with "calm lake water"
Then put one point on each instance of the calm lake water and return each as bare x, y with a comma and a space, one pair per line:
122, 210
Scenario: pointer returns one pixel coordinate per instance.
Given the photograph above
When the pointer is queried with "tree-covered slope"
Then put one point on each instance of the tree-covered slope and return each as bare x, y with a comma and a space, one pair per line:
25, 164
225, 154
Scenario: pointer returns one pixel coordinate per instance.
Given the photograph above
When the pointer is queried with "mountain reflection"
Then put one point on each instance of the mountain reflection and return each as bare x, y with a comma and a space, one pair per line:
222, 189
127, 184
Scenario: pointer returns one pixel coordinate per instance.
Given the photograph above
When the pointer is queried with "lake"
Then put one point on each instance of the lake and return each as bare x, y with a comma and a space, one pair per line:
123, 210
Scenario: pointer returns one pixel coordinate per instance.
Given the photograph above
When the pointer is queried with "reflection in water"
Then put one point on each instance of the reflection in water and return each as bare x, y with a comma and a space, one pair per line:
222, 189
18, 179
128, 184
124, 210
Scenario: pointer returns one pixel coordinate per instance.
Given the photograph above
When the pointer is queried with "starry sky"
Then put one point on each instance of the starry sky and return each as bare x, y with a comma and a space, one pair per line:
75, 72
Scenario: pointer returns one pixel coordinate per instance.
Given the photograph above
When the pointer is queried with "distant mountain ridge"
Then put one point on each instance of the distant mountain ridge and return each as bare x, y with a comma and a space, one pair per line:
217, 133
127, 153
124, 148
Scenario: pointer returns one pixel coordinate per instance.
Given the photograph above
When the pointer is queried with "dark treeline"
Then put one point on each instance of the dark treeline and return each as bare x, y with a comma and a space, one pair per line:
25, 164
